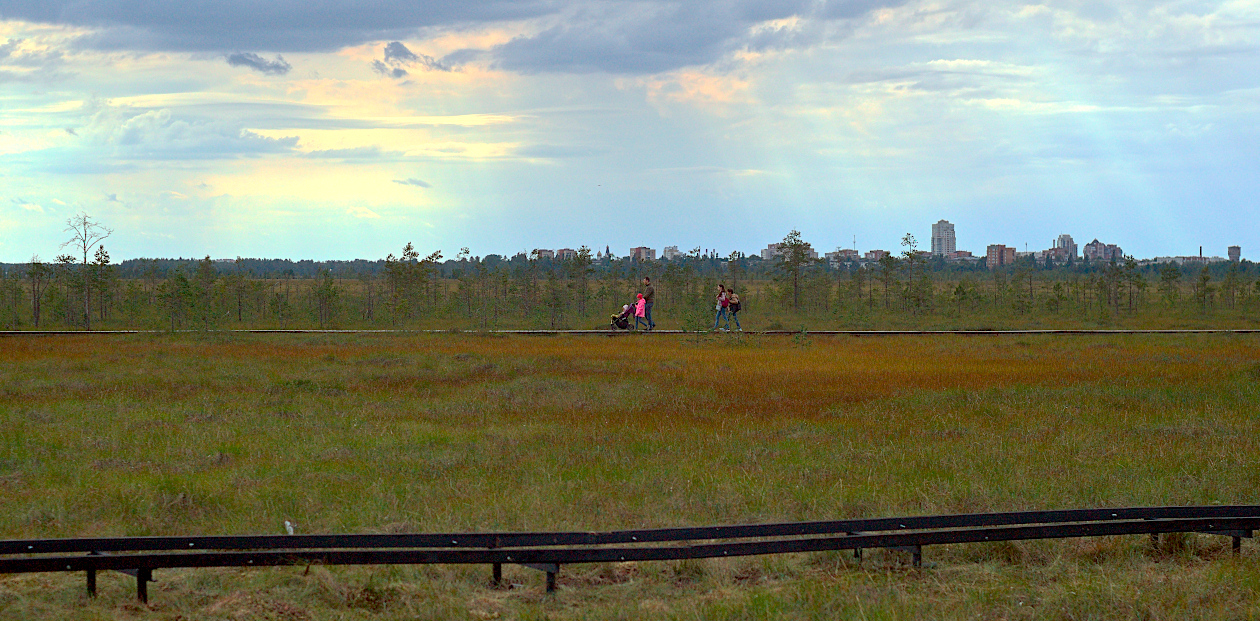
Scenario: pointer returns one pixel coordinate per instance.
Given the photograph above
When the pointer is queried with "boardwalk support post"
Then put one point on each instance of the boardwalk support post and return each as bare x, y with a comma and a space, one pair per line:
857, 552
497, 578
91, 576
551, 569
144, 576
1236, 537
916, 553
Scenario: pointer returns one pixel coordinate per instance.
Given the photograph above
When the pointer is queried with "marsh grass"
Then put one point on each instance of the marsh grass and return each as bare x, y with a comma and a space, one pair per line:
219, 434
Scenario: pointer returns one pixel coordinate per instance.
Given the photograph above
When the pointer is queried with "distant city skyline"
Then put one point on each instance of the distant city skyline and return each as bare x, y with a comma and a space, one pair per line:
925, 237
1063, 242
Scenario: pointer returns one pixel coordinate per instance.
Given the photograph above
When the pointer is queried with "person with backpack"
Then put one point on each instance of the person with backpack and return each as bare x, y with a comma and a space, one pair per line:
722, 303
732, 309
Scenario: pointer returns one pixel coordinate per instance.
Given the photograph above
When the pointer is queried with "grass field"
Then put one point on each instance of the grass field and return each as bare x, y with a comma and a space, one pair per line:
223, 434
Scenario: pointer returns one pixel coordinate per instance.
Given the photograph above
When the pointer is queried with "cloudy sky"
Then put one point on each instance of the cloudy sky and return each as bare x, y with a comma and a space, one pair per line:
329, 129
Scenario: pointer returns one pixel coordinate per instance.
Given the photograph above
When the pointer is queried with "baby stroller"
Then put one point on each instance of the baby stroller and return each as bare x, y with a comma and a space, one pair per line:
621, 321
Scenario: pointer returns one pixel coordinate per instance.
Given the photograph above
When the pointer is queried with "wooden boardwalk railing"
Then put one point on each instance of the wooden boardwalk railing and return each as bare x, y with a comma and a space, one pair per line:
548, 551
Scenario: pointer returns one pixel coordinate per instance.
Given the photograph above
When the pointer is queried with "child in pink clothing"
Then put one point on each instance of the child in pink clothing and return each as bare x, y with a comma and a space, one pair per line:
640, 312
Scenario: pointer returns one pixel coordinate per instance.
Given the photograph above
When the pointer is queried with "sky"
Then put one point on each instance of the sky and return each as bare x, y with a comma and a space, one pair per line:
326, 129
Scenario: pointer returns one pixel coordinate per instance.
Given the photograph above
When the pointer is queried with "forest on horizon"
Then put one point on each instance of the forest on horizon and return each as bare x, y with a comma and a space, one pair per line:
903, 291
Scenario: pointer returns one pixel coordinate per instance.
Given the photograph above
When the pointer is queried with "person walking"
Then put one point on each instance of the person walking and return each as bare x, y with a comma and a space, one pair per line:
722, 303
649, 297
733, 308
640, 310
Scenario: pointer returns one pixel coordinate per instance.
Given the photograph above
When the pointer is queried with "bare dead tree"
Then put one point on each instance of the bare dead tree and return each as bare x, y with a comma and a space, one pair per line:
85, 235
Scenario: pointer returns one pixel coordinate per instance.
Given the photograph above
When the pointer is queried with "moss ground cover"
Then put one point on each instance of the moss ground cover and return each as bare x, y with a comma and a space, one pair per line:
219, 434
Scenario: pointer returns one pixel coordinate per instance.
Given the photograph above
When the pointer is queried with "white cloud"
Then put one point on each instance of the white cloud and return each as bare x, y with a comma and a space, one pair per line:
363, 212
27, 205
160, 134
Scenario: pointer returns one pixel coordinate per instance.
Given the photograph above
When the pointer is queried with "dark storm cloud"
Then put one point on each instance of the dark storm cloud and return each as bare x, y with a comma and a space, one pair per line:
849, 9
396, 51
386, 70
650, 37
643, 36
270, 67
281, 25
462, 57
398, 58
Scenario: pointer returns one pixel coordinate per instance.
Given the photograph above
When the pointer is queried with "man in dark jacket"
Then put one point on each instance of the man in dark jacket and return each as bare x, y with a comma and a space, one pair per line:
649, 296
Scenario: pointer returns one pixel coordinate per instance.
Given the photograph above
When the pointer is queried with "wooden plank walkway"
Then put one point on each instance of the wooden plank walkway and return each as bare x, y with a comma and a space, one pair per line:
606, 332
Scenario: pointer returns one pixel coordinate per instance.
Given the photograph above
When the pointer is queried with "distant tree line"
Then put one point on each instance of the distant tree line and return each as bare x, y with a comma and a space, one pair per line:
84, 290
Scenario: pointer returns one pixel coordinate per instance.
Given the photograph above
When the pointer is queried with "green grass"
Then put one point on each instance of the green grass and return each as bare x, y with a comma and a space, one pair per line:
226, 434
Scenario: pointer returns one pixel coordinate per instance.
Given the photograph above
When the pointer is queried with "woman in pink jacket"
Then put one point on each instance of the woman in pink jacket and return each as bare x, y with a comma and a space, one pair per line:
640, 312
723, 303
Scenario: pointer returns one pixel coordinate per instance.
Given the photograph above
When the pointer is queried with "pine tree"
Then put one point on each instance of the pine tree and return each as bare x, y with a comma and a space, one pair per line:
38, 274
793, 260
1169, 279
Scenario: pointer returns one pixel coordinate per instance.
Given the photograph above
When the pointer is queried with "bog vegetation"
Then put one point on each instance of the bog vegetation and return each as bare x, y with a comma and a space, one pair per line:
85, 290
218, 433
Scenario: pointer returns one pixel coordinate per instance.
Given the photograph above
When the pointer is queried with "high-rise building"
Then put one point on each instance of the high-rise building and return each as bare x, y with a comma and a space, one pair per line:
998, 255
1098, 251
1235, 253
1065, 246
772, 251
642, 253
943, 238
842, 255
670, 253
